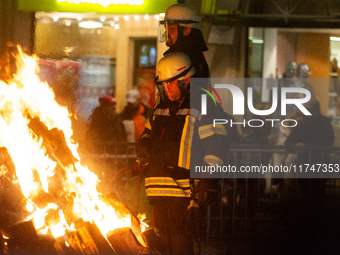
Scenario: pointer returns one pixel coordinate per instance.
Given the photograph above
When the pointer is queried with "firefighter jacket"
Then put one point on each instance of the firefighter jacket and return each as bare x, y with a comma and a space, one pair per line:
177, 130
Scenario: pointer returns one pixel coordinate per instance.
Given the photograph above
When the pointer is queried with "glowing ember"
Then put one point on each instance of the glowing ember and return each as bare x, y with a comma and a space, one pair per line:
37, 133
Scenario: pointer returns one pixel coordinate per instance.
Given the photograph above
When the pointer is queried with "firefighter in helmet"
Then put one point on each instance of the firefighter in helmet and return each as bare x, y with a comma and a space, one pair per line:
171, 135
181, 32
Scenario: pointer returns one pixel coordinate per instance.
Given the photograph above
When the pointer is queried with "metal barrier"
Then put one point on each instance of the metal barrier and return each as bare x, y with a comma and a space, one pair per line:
245, 205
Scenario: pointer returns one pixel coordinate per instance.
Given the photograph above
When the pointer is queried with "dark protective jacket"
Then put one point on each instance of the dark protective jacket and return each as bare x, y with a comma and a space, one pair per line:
193, 45
180, 136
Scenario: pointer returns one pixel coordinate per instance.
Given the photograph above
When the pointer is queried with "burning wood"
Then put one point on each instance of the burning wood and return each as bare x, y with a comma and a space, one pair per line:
24, 240
49, 192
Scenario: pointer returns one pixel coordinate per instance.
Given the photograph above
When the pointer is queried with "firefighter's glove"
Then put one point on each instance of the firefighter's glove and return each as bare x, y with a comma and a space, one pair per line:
194, 220
143, 150
204, 192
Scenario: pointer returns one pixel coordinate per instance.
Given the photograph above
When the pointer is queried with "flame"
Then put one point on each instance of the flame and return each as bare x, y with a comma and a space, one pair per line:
57, 188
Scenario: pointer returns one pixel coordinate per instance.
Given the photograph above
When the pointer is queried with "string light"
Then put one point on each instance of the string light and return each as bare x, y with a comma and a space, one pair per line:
90, 24
90, 21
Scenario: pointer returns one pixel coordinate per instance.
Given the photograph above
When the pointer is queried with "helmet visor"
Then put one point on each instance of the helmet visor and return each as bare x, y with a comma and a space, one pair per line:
161, 31
163, 24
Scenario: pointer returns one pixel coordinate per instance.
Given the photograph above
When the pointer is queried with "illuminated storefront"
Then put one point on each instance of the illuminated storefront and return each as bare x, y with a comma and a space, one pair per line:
92, 48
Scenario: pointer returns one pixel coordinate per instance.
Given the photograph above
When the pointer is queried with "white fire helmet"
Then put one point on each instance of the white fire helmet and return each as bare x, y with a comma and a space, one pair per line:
132, 96
174, 66
181, 14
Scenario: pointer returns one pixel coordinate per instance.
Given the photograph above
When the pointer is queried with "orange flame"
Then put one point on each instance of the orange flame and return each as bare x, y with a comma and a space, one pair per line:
24, 99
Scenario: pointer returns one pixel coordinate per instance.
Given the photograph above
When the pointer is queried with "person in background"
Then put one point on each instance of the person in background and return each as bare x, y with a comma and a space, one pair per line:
134, 116
290, 70
105, 128
302, 74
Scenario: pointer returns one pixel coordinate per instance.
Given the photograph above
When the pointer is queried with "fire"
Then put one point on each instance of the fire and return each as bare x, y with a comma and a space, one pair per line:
37, 133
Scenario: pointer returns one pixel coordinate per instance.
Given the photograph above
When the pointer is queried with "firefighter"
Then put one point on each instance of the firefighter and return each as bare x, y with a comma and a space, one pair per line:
180, 29
167, 147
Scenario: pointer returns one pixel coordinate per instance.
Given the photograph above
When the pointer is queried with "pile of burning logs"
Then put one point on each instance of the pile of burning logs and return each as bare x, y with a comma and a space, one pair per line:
87, 239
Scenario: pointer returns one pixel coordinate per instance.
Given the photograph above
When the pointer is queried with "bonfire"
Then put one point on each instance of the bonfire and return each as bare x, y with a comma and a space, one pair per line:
41, 173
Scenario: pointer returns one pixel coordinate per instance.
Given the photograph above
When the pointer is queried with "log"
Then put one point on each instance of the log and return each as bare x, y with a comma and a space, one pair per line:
75, 243
7, 163
125, 242
122, 210
24, 240
92, 239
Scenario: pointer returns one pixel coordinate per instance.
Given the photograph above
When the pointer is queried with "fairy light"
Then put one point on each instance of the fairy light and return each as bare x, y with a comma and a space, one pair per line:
102, 20
90, 24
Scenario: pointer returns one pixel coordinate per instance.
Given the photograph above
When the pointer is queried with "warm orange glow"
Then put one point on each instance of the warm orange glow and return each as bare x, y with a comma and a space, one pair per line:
27, 104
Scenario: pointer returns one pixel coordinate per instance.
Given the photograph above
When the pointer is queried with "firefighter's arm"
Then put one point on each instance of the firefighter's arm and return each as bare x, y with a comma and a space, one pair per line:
215, 146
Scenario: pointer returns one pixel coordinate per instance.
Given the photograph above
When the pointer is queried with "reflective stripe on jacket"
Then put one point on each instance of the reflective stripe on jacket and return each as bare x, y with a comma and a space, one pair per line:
175, 129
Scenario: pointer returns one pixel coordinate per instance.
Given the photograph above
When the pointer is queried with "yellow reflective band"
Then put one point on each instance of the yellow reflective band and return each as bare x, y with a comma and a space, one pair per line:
167, 192
157, 101
213, 160
220, 129
186, 141
147, 124
195, 113
184, 111
209, 130
166, 181
162, 112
